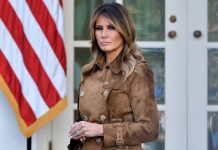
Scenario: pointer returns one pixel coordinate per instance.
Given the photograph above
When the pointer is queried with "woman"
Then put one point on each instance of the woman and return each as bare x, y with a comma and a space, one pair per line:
117, 108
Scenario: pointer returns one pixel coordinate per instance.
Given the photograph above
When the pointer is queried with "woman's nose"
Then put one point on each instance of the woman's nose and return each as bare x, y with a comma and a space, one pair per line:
104, 33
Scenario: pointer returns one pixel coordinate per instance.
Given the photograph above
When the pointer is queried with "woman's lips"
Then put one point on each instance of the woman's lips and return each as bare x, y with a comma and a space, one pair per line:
105, 43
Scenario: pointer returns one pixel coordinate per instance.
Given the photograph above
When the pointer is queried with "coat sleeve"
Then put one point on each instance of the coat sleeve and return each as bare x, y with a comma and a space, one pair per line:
146, 119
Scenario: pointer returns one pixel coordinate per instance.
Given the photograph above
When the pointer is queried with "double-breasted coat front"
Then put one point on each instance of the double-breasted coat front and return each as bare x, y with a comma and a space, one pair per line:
127, 109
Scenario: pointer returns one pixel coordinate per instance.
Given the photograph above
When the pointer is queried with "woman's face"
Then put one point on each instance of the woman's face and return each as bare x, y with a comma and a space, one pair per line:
109, 40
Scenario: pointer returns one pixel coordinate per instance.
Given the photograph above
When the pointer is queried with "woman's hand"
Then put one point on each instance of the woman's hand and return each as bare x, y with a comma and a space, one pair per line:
83, 129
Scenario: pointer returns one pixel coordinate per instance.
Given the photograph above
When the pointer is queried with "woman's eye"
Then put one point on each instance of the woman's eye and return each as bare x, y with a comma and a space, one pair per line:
111, 28
98, 28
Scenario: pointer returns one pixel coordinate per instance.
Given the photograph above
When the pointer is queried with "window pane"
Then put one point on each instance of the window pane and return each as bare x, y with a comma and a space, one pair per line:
213, 76
156, 59
82, 57
83, 10
160, 142
212, 122
149, 17
213, 20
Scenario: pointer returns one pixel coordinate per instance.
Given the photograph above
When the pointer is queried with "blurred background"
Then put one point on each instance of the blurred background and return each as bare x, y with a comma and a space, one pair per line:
179, 39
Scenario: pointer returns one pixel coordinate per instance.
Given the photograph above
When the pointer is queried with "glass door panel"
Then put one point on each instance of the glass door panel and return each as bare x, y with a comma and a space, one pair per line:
213, 76
149, 16
212, 57
212, 130
213, 20
82, 56
156, 59
82, 12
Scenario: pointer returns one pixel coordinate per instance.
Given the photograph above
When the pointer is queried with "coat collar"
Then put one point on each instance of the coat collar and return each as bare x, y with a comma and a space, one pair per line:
115, 65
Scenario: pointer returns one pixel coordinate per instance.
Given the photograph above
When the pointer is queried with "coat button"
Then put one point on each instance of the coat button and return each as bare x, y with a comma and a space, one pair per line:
98, 140
106, 83
85, 118
106, 92
82, 93
102, 118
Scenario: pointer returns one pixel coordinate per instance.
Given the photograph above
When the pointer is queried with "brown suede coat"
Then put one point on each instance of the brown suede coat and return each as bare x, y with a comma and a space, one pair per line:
127, 110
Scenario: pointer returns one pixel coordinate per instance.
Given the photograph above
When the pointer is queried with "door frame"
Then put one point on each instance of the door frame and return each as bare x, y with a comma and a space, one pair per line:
198, 107
176, 76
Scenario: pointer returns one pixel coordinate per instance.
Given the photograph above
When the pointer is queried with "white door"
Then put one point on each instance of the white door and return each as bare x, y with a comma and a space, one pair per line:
203, 75
162, 35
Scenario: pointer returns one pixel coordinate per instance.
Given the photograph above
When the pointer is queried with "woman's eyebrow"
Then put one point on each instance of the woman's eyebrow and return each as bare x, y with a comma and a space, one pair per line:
106, 25
110, 25
98, 25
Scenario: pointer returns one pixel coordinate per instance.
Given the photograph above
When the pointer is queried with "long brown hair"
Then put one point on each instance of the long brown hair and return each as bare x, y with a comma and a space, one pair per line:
124, 24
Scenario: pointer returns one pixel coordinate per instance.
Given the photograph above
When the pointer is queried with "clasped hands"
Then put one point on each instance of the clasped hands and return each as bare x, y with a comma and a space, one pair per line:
82, 129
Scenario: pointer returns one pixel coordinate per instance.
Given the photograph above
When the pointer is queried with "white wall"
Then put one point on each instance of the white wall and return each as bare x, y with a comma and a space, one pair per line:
11, 137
